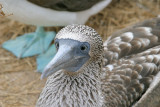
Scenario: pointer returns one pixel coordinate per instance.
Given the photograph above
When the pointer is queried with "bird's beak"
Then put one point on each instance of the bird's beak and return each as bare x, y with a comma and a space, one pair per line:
62, 59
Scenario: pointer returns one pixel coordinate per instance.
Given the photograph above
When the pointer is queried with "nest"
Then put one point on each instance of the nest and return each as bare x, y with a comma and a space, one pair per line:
20, 86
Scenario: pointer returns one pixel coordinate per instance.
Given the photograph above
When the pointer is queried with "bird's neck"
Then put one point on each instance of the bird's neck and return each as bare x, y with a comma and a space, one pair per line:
79, 90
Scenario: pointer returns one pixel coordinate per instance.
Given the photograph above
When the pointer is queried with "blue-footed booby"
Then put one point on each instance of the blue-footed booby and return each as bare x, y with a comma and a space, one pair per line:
45, 13
86, 72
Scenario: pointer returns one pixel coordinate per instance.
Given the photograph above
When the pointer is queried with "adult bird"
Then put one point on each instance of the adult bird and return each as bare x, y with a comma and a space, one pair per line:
45, 13
87, 73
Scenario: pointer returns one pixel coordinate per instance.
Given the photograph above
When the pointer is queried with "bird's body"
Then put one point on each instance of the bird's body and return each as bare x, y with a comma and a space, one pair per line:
39, 13
117, 77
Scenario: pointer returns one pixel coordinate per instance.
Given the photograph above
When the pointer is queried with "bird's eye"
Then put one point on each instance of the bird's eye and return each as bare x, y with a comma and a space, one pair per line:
57, 45
83, 47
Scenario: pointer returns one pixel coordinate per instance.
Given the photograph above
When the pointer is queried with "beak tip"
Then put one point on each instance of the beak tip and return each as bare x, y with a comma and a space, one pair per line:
42, 76
45, 73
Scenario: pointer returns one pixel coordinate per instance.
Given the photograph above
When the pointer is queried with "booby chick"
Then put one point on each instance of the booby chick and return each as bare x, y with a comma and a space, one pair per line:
46, 13
87, 73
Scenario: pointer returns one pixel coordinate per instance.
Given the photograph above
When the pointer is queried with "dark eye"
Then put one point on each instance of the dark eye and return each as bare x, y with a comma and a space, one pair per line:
57, 45
83, 47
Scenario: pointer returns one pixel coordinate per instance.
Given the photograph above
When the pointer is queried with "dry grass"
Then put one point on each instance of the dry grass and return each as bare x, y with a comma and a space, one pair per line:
20, 85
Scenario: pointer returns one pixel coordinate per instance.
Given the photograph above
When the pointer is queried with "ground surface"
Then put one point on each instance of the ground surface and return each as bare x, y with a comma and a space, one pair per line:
20, 85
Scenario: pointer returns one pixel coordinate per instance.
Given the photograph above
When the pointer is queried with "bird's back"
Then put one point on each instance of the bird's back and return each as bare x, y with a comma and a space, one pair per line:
66, 5
132, 60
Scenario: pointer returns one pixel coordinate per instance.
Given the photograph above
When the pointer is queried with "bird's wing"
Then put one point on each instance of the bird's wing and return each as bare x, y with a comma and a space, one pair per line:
132, 40
66, 5
126, 79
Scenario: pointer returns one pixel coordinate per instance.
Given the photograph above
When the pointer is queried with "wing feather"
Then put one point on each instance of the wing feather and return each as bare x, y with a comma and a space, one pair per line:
133, 74
131, 61
132, 40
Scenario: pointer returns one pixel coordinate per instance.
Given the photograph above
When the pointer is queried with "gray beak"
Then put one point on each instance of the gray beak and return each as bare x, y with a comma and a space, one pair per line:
69, 57
61, 60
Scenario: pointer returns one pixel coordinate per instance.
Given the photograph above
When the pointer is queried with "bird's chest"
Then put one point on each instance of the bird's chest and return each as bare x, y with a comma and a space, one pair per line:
71, 96
65, 91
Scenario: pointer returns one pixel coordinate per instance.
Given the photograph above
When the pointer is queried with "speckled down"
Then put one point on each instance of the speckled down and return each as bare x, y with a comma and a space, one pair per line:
131, 60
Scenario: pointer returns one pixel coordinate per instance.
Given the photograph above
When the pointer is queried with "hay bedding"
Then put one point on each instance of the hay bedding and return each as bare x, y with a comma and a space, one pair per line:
20, 85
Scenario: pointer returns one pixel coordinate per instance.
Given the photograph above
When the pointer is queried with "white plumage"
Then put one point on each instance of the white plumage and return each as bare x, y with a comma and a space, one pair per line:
29, 13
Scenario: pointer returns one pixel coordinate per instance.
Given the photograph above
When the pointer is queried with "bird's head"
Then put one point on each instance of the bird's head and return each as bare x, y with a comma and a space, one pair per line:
76, 46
